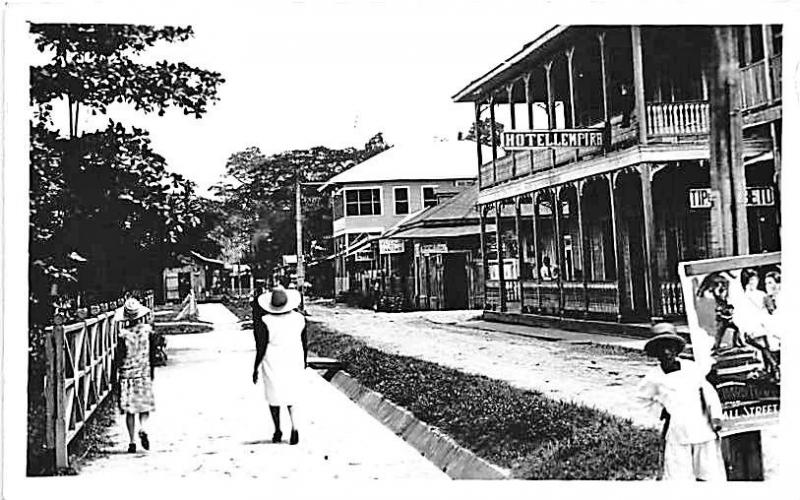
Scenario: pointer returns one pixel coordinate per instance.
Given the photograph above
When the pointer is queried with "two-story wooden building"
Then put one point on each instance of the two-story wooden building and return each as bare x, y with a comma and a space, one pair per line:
614, 217
377, 194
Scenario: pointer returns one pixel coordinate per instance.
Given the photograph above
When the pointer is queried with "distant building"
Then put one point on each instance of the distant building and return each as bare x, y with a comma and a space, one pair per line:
196, 272
378, 193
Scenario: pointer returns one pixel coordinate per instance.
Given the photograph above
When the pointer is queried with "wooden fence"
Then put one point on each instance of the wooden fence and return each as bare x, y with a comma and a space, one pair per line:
80, 372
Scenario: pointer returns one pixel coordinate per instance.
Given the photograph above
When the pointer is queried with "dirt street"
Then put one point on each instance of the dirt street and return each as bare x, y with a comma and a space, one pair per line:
604, 378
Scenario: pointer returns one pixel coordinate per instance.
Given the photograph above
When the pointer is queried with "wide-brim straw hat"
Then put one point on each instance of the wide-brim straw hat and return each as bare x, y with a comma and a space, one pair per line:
132, 310
279, 300
666, 336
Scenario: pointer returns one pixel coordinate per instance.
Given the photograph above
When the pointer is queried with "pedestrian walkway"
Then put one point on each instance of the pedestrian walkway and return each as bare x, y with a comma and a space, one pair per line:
211, 421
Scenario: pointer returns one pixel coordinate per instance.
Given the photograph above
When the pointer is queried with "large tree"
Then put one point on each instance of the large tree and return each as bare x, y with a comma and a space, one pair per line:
104, 194
259, 196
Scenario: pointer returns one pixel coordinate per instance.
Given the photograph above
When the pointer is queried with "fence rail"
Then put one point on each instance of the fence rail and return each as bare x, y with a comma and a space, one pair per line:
80, 372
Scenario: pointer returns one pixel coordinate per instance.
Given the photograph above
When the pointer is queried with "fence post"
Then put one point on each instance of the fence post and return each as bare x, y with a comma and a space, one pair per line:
59, 419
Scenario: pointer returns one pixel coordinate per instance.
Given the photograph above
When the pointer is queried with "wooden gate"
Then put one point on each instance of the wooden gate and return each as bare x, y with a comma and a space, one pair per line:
81, 371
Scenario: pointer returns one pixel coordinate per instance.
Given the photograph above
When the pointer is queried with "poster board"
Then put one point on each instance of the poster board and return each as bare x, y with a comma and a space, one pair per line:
736, 320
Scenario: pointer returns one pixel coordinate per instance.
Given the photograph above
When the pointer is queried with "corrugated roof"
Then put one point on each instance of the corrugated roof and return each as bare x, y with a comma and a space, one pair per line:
442, 231
432, 160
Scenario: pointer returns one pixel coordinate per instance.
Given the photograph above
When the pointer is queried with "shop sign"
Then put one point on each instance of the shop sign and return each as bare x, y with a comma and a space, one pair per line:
523, 140
759, 196
434, 248
365, 254
389, 246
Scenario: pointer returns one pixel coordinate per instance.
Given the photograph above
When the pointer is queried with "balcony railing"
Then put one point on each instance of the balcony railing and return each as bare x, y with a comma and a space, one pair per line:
754, 82
776, 75
677, 118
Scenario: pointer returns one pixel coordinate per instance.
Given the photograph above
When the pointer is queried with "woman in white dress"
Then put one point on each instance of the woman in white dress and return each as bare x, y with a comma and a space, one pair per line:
281, 356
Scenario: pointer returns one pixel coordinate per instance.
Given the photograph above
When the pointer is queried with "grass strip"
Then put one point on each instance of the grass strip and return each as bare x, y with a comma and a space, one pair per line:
533, 435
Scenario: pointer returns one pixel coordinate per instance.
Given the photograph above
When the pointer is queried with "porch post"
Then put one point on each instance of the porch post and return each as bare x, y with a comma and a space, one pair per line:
617, 237
638, 82
551, 107
535, 236
650, 257
478, 143
559, 251
526, 78
520, 243
570, 53
493, 139
766, 43
500, 267
776, 161
601, 37
484, 256
579, 185
513, 117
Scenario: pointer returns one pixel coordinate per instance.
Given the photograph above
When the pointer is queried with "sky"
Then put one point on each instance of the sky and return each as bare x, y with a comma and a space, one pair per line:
300, 75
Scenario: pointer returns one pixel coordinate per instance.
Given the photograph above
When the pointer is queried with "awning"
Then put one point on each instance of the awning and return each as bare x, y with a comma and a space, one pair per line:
358, 245
205, 259
442, 232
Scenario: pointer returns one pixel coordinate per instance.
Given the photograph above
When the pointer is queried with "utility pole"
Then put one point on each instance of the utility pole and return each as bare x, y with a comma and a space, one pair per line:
298, 219
726, 168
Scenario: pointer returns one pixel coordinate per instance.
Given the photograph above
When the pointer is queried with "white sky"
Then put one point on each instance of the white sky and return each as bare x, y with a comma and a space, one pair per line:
299, 76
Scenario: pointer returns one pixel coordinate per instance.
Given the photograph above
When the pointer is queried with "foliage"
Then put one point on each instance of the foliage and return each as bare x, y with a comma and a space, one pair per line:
485, 129
105, 194
536, 437
259, 199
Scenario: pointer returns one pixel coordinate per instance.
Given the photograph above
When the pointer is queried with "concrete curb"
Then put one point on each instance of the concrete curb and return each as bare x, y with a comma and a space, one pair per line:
453, 459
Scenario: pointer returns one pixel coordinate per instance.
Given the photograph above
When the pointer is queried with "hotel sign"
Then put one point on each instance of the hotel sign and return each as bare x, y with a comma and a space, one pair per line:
760, 196
521, 140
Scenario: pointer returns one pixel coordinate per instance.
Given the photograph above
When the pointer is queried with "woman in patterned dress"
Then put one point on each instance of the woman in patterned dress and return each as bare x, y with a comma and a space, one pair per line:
281, 356
135, 356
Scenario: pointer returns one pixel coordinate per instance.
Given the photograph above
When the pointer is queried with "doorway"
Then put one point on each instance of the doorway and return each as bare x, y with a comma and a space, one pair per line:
184, 284
455, 281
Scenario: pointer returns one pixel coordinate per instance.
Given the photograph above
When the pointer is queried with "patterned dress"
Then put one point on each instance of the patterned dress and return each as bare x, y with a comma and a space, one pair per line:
136, 385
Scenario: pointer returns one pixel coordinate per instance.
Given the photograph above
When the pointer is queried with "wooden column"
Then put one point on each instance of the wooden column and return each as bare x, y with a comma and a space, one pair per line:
728, 213
776, 161
484, 255
650, 257
638, 82
570, 54
529, 106
551, 107
559, 257
601, 38
766, 40
500, 267
520, 243
513, 117
493, 139
478, 143
617, 237
579, 185
535, 236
